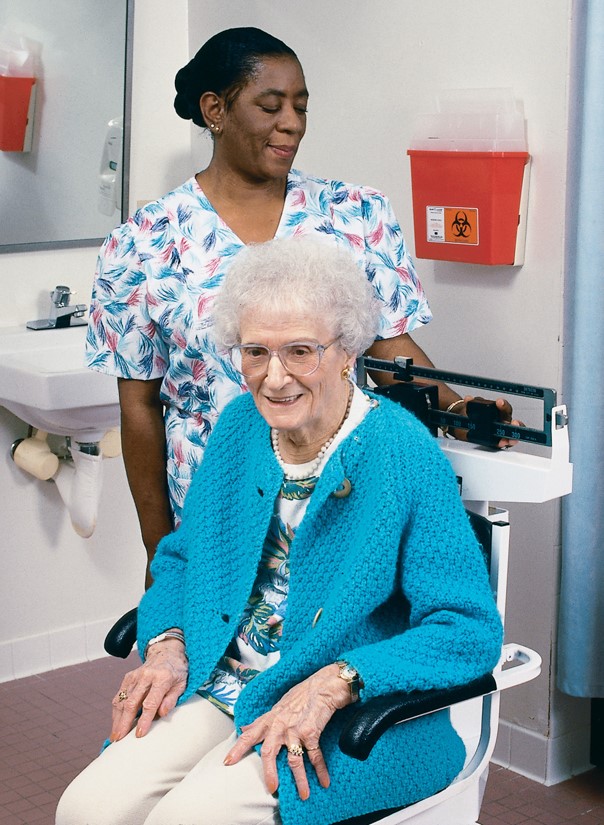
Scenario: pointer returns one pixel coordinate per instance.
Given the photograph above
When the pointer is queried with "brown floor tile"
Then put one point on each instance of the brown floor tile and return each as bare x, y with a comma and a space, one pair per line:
514, 800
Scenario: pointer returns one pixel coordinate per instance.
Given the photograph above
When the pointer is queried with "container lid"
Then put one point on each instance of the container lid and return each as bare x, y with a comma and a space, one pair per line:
19, 56
472, 120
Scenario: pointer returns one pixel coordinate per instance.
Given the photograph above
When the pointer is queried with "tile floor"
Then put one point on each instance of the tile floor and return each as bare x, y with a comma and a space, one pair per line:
51, 726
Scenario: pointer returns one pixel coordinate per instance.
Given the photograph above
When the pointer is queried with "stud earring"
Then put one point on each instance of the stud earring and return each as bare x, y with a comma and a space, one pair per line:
345, 373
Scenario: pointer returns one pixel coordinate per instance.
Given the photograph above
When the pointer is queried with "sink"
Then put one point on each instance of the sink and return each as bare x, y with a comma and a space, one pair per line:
43, 381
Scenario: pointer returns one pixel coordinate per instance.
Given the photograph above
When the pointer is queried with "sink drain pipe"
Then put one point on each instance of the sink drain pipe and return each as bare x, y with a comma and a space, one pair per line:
78, 477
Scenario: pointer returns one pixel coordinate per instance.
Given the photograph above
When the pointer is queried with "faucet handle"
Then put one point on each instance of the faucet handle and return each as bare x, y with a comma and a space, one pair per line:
60, 295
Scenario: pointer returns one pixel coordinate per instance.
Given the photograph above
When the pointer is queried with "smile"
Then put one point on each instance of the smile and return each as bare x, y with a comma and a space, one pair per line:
290, 399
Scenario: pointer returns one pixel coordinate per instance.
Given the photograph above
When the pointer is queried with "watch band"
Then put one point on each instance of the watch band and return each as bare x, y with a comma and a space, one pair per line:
350, 675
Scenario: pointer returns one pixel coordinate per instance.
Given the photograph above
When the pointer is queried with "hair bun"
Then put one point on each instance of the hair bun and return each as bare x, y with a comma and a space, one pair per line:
185, 95
182, 107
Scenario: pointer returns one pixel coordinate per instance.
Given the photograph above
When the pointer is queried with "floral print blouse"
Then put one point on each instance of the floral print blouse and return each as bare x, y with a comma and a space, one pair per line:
256, 645
157, 276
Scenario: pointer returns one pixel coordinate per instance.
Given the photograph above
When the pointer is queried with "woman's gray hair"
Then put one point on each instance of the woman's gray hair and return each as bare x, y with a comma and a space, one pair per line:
302, 276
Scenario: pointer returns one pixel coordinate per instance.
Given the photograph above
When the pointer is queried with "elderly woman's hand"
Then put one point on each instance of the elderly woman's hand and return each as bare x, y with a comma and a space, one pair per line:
297, 719
153, 687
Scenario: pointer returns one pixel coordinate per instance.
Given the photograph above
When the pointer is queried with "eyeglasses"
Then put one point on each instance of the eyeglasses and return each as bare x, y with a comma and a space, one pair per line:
298, 358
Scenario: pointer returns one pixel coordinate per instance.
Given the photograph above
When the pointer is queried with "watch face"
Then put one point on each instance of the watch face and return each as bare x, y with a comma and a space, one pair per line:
348, 673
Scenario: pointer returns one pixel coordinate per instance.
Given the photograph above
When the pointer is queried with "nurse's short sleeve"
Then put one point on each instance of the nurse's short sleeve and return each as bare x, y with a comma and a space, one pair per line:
122, 338
391, 271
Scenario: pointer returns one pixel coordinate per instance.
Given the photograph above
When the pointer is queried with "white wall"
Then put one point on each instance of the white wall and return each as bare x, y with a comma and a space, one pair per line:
61, 593
371, 68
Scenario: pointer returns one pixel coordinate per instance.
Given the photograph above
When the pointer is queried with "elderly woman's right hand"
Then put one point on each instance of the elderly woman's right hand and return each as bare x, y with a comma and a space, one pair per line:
153, 687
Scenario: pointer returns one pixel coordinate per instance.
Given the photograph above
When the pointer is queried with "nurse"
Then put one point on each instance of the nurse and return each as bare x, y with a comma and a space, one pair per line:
159, 273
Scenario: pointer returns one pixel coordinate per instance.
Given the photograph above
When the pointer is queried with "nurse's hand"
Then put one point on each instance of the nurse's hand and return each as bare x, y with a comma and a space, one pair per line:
152, 689
296, 722
504, 411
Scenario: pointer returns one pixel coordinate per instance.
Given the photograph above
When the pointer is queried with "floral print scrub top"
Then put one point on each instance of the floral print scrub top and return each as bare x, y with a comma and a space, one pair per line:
157, 276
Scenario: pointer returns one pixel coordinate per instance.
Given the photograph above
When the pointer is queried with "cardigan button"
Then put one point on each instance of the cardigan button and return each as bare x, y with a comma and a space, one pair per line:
343, 490
317, 616
225, 618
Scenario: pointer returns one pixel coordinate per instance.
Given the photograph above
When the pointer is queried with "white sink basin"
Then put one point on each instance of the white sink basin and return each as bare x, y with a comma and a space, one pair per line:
44, 382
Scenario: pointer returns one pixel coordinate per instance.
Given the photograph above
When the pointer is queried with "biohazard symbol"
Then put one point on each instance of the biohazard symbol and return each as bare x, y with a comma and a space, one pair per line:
461, 226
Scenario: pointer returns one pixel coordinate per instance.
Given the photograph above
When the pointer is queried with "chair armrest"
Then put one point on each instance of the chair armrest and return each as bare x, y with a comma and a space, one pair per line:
122, 636
523, 664
374, 717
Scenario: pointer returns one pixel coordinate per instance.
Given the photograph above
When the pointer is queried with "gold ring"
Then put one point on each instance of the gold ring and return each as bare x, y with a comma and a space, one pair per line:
296, 750
316, 748
122, 695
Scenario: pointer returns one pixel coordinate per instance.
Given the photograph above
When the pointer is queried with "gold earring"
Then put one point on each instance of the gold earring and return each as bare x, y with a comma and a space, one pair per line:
345, 373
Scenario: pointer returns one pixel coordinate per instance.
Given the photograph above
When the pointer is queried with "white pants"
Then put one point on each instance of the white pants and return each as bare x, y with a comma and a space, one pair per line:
172, 776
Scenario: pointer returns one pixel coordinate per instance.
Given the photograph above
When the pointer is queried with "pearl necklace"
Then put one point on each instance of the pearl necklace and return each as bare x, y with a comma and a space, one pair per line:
312, 470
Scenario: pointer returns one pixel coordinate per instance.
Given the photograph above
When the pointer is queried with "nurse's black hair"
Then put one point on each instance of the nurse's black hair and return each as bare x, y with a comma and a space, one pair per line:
223, 65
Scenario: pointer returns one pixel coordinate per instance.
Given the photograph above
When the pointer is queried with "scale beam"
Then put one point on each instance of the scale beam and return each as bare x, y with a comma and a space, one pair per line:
482, 422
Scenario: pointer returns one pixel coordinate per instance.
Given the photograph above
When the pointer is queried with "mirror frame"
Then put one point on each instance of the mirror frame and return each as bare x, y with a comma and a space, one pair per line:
35, 246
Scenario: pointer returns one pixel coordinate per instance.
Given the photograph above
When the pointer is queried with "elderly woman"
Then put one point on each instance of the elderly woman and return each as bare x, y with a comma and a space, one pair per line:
324, 558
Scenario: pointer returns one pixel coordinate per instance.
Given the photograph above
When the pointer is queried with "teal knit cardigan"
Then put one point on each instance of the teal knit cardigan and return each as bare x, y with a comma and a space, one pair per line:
394, 566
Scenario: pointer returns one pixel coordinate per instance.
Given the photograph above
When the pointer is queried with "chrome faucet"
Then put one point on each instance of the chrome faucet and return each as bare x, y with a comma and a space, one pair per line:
62, 314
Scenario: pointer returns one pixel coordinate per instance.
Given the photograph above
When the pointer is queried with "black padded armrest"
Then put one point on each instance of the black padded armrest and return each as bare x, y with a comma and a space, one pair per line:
122, 636
375, 716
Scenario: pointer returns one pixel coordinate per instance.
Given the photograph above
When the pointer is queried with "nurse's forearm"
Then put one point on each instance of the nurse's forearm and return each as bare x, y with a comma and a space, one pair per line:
404, 345
144, 450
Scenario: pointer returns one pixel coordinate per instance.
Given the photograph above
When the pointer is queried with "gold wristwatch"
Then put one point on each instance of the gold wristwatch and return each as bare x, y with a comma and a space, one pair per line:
351, 676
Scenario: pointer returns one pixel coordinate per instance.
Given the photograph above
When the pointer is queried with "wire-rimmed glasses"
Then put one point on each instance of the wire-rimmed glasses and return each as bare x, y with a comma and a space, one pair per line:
298, 357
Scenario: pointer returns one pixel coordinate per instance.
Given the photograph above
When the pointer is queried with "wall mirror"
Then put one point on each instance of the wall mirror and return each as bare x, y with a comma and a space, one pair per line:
60, 193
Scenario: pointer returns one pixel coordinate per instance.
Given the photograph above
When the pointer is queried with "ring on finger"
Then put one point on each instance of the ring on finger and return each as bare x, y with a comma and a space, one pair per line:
122, 695
316, 748
296, 749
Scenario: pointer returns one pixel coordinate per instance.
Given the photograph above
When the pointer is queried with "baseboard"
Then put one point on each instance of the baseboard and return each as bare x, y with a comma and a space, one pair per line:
548, 761
31, 655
